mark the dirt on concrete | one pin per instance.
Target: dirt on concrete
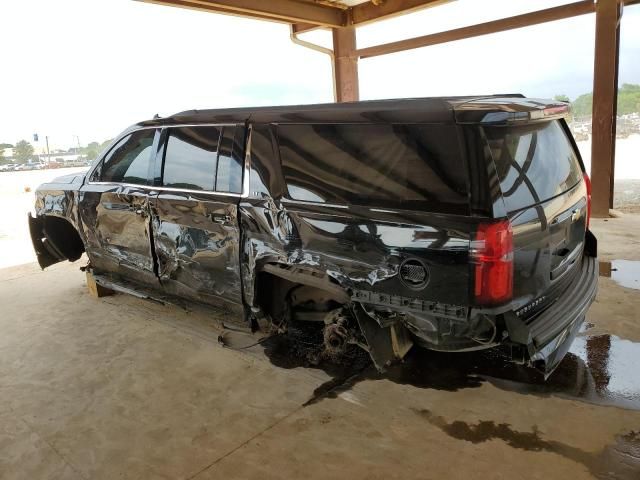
(121, 387)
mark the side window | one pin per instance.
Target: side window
(368, 164)
(229, 171)
(533, 162)
(129, 160)
(262, 161)
(190, 158)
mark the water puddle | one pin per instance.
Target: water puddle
(624, 272)
(599, 369)
(619, 460)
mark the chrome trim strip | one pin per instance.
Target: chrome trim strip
(179, 125)
(168, 189)
(319, 204)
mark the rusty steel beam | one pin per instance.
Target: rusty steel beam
(495, 26)
(304, 27)
(288, 11)
(345, 65)
(369, 12)
(605, 97)
(194, 5)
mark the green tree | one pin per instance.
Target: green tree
(91, 150)
(23, 151)
(628, 99)
(2, 159)
(582, 105)
(562, 98)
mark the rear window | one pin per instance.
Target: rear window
(381, 165)
(534, 162)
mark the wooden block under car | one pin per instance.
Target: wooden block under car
(96, 290)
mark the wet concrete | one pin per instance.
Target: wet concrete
(126, 388)
(620, 460)
(625, 273)
(598, 369)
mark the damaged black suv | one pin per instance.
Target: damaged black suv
(452, 223)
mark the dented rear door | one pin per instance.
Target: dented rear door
(195, 214)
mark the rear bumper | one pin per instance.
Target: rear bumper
(547, 337)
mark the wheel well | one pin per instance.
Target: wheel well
(271, 294)
(64, 236)
(282, 287)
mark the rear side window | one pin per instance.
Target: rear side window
(229, 168)
(129, 160)
(190, 158)
(534, 162)
(379, 165)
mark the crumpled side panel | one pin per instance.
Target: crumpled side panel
(58, 202)
(361, 249)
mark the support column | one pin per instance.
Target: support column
(345, 65)
(605, 98)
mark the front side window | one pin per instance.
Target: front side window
(129, 160)
(190, 158)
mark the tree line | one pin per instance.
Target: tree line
(628, 101)
(23, 151)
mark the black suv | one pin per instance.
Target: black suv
(453, 223)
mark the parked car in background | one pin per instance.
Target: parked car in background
(453, 224)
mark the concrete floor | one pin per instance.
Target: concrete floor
(120, 387)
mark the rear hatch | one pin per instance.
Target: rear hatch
(542, 185)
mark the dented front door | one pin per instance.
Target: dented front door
(196, 238)
(117, 228)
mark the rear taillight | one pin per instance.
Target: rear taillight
(492, 257)
(587, 182)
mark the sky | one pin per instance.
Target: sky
(86, 69)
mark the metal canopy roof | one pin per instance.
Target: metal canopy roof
(308, 14)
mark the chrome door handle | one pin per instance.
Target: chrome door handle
(220, 218)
